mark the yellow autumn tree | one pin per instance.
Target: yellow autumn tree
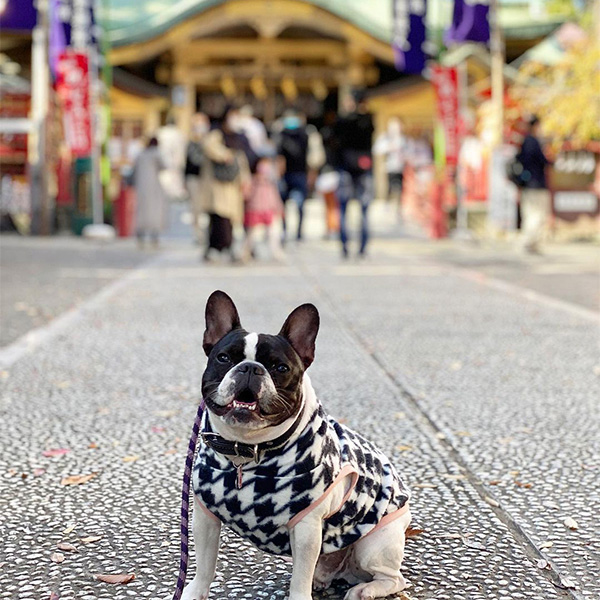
(566, 96)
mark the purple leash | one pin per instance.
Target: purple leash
(185, 503)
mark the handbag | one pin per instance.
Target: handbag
(226, 172)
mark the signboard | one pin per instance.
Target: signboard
(445, 83)
(408, 35)
(572, 201)
(73, 89)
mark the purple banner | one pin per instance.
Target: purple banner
(18, 15)
(469, 22)
(408, 35)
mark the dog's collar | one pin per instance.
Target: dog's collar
(253, 451)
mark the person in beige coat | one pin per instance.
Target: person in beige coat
(225, 176)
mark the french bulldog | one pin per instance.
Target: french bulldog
(276, 469)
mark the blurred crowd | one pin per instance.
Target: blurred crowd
(239, 175)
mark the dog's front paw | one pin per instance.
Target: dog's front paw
(195, 590)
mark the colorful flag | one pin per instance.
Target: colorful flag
(445, 83)
(470, 22)
(409, 35)
(17, 15)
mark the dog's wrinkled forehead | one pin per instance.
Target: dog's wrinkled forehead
(269, 350)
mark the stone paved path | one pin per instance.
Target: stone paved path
(487, 402)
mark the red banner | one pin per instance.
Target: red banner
(445, 82)
(73, 89)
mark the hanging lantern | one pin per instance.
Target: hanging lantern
(319, 89)
(289, 89)
(228, 86)
(258, 88)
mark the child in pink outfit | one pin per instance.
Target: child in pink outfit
(263, 207)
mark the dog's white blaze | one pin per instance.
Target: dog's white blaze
(250, 347)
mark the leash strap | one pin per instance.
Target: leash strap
(185, 503)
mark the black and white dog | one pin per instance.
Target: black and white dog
(276, 469)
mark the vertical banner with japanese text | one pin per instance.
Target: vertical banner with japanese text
(408, 36)
(470, 22)
(445, 83)
(73, 89)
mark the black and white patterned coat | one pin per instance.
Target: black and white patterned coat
(287, 483)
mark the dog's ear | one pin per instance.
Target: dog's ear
(300, 330)
(221, 318)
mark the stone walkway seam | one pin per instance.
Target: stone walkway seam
(523, 292)
(31, 340)
(433, 430)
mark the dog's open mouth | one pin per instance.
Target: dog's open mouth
(245, 405)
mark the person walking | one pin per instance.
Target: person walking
(392, 146)
(193, 171)
(263, 208)
(172, 145)
(353, 138)
(293, 150)
(535, 196)
(151, 200)
(225, 175)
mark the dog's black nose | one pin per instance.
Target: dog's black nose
(247, 367)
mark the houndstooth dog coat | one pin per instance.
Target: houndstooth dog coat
(292, 479)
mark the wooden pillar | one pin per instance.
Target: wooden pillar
(184, 99)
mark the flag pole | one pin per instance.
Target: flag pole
(497, 72)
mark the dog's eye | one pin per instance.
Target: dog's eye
(282, 368)
(223, 358)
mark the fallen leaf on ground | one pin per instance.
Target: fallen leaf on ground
(424, 485)
(77, 479)
(56, 452)
(93, 446)
(131, 458)
(522, 484)
(413, 532)
(400, 415)
(463, 433)
(491, 501)
(57, 557)
(68, 529)
(542, 564)
(38, 472)
(90, 539)
(571, 523)
(156, 429)
(514, 473)
(545, 545)
(568, 583)
(403, 448)
(495, 482)
(119, 578)
(66, 547)
(453, 476)
(474, 544)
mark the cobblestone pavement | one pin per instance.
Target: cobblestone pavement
(43, 277)
(485, 400)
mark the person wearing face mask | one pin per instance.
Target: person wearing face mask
(293, 150)
(193, 170)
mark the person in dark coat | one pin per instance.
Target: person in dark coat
(352, 142)
(535, 196)
(293, 148)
